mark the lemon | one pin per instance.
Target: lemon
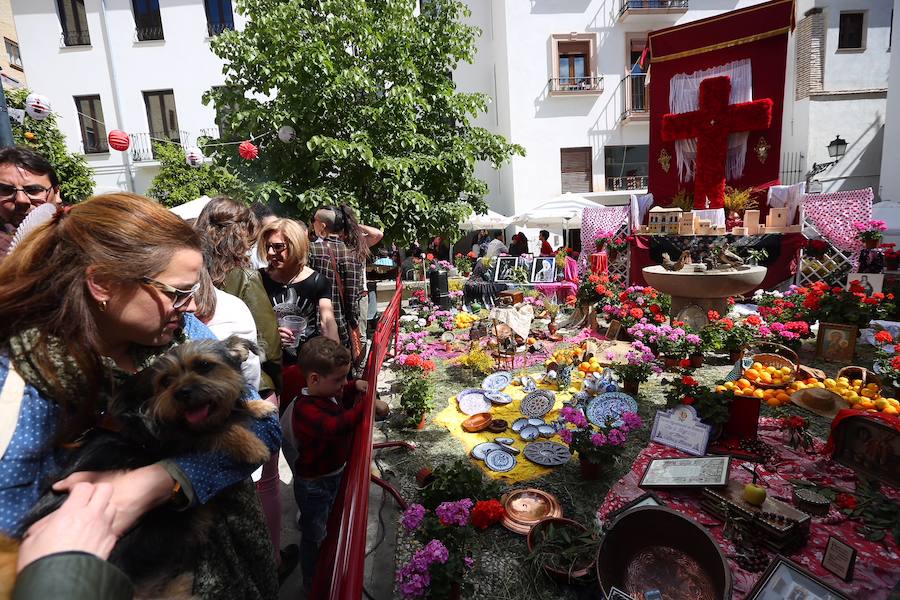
(830, 383)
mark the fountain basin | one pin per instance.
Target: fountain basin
(693, 294)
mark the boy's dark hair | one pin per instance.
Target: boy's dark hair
(323, 356)
(498, 234)
(30, 161)
(544, 234)
(261, 211)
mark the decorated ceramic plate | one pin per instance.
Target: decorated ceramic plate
(609, 406)
(537, 403)
(547, 430)
(505, 440)
(547, 454)
(498, 397)
(630, 402)
(472, 402)
(581, 398)
(510, 448)
(529, 384)
(500, 461)
(479, 451)
(496, 381)
(518, 424)
(537, 422)
(529, 433)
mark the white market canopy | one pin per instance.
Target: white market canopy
(563, 211)
(191, 210)
(491, 220)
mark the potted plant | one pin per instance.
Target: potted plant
(755, 255)
(639, 364)
(464, 263)
(816, 248)
(736, 336)
(737, 201)
(417, 399)
(566, 550)
(870, 232)
(676, 344)
(595, 445)
(552, 309)
(891, 257)
(712, 405)
(615, 246)
(601, 241)
(457, 480)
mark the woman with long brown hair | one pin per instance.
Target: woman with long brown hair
(86, 300)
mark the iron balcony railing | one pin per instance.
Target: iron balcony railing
(634, 95)
(142, 143)
(576, 84)
(76, 38)
(638, 5)
(628, 182)
(147, 33)
(214, 29)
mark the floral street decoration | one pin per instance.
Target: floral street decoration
(596, 288)
(464, 263)
(593, 443)
(670, 342)
(640, 363)
(712, 406)
(638, 304)
(816, 248)
(665, 160)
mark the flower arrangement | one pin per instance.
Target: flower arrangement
(519, 274)
(870, 230)
(417, 399)
(596, 288)
(415, 363)
(561, 256)
(816, 248)
(594, 443)
(445, 319)
(778, 307)
(799, 437)
(443, 265)
(638, 304)
(464, 262)
(851, 306)
(712, 406)
(478, 360)
(618, 243)
(677, 343)
(640, 363)
(887, 358)
(891, 256)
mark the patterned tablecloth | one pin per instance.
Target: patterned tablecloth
(877, 568)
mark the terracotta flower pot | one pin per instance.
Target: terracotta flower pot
(590, 471)
(421, 424)
(631, 387)
(670, 363)
(696, 361)
(735, 355)
(552, 327)
(424, 477)
(560, 575)
(871, 244)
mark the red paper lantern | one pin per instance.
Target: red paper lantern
(248, 151)
(118, 140)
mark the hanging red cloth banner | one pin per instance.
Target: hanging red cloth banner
(759, 34)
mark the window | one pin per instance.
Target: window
(12, 54)
(161, 115)
(74, 22)
(219, 16)
(147, 20)
(577, 170)
(93, 131)
(626, 167)
(573, 64)
(852, 32)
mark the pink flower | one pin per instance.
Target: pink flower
(598, 439)
(565, 435)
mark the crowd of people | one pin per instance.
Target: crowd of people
(99, 291)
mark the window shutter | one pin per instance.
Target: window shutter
(577, 171)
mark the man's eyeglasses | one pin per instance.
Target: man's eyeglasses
(179, 297)
(35, 193)
(276, 247)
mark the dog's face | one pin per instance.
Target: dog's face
(197, 385)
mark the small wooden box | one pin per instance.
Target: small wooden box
(739, 231)
(510, 297)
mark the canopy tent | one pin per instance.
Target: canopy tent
(564, 211)
(491, 220)
(191, 210)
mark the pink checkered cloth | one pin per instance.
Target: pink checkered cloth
(834, 214)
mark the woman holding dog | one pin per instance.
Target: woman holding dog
(86, 300)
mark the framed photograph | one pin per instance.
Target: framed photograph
(786, 580)
(836, 342)
(646, 499)
(503, 270)
(614, 329)
(707, 471)
(543, 269)
(839, 558)
(872, 283)
(868, 446)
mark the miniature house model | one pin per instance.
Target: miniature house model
(688, 223)
(664, 220)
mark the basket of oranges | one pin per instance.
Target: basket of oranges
(771, 370)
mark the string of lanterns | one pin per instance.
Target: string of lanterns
(38, 107)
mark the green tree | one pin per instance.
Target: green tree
(76, 180)
(366, 84)
(177, 182)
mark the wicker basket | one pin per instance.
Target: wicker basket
(771, 359)
(852, 372)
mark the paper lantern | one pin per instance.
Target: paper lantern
(286, 134)
(248, 151)
(193, 156)
(118, 140)
(37, 106)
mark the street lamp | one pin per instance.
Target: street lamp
(836, 150)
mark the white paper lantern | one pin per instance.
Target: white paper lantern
(193, 156)
(37, 106)
(286, 134)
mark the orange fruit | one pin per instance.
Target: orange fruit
(782, 397)
(751, 374)
(743, 383)
(772, 402)
(583, 367)
(890, 410)
(765, 377)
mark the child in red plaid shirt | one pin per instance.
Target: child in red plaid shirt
(325, 414)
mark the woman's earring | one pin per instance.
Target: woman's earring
(102, 305)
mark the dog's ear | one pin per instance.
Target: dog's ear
(238, 349)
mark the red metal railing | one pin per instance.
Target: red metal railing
(341, 565)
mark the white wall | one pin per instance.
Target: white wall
(890, 173)
(181, 62)
(858, 69)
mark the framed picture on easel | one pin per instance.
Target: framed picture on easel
(543, 269)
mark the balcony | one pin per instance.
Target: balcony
(633, 8)
(75, 38)
(635, 97)
(575, 86)
(147, 33)
(214, 29)
(142, 143)
(628, 182)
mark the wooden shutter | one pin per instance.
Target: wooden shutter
(577, 170)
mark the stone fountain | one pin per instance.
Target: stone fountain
(697, 289)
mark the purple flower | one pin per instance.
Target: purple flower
(454, 513)
(469, 561)
(413, 517)
(565, 435)
(437, 550)
(692, 339)
(598, 439)
(632, 421)
(616, 437)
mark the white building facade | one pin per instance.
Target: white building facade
(141, 66)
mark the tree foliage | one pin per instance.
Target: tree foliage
(76, 180)
(367, 86)
(177, 182)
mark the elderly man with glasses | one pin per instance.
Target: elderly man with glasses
(27, 180)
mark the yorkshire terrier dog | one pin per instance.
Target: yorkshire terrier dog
(188, 401)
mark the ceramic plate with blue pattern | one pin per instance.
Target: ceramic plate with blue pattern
(472, 402)
(609, 406)
(498, 397)
(537, 403)
(496, 382)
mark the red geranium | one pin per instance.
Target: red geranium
(846, 501)
(429, 256)
(428, 366)
(895, 362)
(413, 360)
(712, 315)
(487, 512)
(688, 400)
(688, 380)
(884, 337)
(685, 363)
(637, 313)
(796, 422)
(593, 278)
(754, 320)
